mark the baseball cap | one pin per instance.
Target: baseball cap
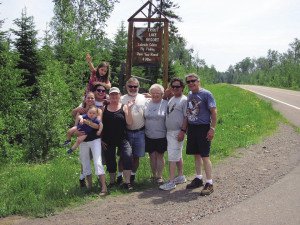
(114, 90)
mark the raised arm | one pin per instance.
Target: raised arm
(89, 61)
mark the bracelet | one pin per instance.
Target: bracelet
(213, 128)
(183, 130)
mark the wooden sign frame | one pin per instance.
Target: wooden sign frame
(164, 49)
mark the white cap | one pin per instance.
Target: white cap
(114, 90)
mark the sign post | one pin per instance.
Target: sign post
(148, 46)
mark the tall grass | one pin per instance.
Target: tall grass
(40, 189)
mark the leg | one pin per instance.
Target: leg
(84, 155)
(160, 163)
(79, 140)
(126, 155)
(153, 164)
(198, 164)
(179, 165)
(172, 168)
(111, 164)
(70, 132)
(89, 182)
(207, 167)
(97, 158)
(135, 164)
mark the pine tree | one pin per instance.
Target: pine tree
(26, 45)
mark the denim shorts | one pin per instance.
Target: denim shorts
(136, 140)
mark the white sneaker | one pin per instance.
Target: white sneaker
(167, 186)
(180, 179)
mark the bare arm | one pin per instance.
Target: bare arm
(89, 61)
(183, 130)
(211, 132)
(127, 111)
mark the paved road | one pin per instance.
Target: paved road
(287, 102)
(280, 203)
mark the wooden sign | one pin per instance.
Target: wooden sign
(147, 46)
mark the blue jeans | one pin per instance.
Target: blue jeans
(136, 140)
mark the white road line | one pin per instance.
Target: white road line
(276, 100)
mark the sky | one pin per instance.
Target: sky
(222, 32)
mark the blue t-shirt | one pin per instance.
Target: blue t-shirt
(198, 107)
(86, 128)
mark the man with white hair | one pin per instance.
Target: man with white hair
(136, 131)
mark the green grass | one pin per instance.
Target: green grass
(41, 189)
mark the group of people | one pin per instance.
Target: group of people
(114, 126)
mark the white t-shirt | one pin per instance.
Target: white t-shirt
(137, 110)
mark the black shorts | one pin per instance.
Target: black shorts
(156, 145)
(197, 143)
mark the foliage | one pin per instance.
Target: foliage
(13, 104)
(278, 70)
(48, 114)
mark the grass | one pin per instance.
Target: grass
(41, 189)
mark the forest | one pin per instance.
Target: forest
(42, 80)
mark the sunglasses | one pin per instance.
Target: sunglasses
(175, 86)
(100, 90)
(132, 86)
(191, 81)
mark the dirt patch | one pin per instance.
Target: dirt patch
(235, 179)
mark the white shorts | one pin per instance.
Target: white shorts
(85, 149)
(174, 146)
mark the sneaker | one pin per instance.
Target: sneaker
(132, 178)
(195, 184)
(127, 186)
(119, 180)
(82, 183)
(167, 186)
(66, 143)
(207, 190)
(180, 179)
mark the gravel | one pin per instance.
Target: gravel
(236, 178)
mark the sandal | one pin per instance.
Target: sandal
(159, 180)
(103, 193)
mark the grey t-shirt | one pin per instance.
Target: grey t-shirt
(176, 112)
(155, 116)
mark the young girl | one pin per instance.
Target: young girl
(99, 74)
(84, 125)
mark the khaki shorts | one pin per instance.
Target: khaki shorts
(174, 146)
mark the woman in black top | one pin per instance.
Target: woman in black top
(115, 117)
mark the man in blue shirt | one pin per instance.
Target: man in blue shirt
(202, 118)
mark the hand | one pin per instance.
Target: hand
(180, 136)
(147, 95)
(88, 58)
(81, 121)
(98, 133)
(168, 93)
(80, 133)
(130, 103)
(210, 134)
(70, 151)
